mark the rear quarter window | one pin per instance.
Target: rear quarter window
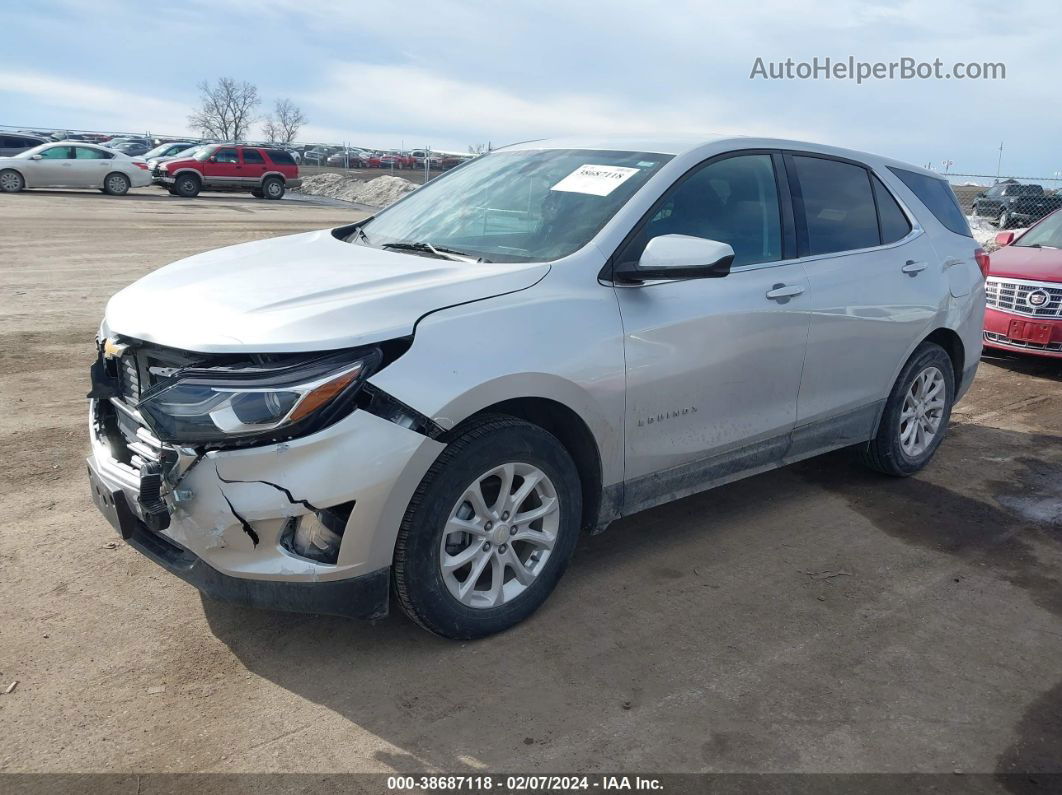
(938, 197)
(280, 157)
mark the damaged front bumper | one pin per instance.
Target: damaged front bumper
(225, 520)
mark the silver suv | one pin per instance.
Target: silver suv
(432, 404)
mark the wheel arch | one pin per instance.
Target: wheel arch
(25, 182)
(952, 344)
(571, 431)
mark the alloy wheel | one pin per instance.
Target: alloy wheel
(922, 411)
(499, 535)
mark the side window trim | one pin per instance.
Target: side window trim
(784, 206)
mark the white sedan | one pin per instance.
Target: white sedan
(73, 164)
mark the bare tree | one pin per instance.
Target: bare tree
(289, 118)
(227, 109)
(271, 130)
(282, 126)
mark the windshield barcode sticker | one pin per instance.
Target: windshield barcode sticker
(595, 180)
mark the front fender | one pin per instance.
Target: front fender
(559, 340)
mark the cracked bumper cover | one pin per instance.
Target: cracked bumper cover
(362, 458)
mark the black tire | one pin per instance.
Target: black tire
(273, 188)
(172, 191)
(416, 576)
(116, 184)
(257, 193)
(187, 186)
(11, 181)
(1004, 219)
(884, 452)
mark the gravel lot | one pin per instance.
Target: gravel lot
(817, 618)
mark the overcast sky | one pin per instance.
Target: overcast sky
(450, 74)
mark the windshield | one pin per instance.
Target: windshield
(28, 153)
(205, 152)
(1046, 234)
(521, 206)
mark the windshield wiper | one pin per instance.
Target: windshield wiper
(439, 251)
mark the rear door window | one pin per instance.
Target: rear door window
(838, 203)
(88, 153)
(252, 156)
(938, 197)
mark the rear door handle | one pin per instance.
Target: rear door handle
(783, 291)
(913, 267)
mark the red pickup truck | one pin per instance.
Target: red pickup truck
(265, 172)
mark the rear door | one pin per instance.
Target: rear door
(713, 365)
(254, 166)
(223, 168)
(91, 165)
(875, 284)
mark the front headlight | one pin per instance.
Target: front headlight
(219, 404)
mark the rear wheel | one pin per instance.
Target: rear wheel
(187, 185)
(116, 184)
(916, 414)
(273, 188)
(489, 530)
(1004, 219)
(11, 181)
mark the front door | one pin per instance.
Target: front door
(713, 365)
(54, 169)
(223, 168)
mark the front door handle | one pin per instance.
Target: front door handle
(781, 292)
(913, 267)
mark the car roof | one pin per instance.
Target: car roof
(688, 144)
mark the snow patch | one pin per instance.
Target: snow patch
(377, 192)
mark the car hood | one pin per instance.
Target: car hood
(1025, 262)
(304, 292)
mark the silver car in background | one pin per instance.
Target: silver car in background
(433, 403)
(73, 164)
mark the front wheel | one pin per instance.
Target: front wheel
(489, 531)
(1004, 219)
(916, 414)
(11, 181)
(187, 185)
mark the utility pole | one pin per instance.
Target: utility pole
(999, 161)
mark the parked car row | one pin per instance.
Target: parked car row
(1012, 204)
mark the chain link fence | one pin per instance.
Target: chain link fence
(993, 204)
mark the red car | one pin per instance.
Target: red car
(265, 172)
(1023, 290)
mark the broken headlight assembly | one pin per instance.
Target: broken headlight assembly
(255, 402)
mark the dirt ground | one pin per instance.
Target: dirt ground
(817, 618)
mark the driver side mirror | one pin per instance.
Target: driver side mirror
(36, 157)
(679, 257)
(1004, 239)
(213, 158)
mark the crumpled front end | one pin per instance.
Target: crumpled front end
(305, 524)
